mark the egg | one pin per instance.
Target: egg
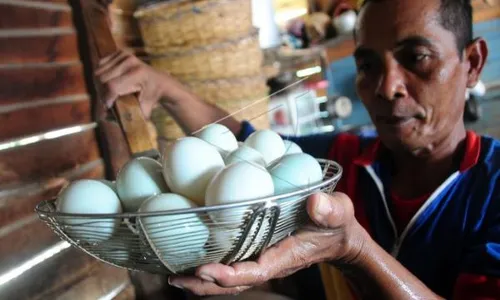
(294, 172)
(246, 154)
(178, 239)
(268, 143)
(291, 147)
(224, 239)
(237, 182)
(89, 196)
(118, 250)
(111, 184)
(139, 179)
(220, 137)
(189, 165)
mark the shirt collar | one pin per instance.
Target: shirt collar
(470, 159)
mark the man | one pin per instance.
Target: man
(418, 215)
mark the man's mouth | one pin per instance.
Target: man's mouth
(393, 120)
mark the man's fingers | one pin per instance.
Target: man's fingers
(330, 211)
(113, 60)
(278, 261)
(240, 274)
(201, 287)
(127, 63)
(106, 59)
(122, 86)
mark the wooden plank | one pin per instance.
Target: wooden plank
(24, 239)
(23, 15)
(44, 118)
(106, 282)
(127, 107)
(49, 48)
(19, 202)
(47, 158)
(52, 274)
(128, 294)
(40, 81)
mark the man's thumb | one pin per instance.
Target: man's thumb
(329, 211)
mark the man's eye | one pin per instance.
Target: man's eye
(419, 57)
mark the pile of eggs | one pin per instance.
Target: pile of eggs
(207, 169)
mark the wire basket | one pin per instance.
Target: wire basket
(178, 241)
(235, 58)
(193, 23)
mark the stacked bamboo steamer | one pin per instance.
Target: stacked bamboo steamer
(212, 47)
(124, 26)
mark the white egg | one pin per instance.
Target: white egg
(294, 172)
(88, 196)
(291, 147)
(118, 250)
(178, 239)
(237, 182)
(139, 179)
(111, 184)
(246, 154)
(220, 137)
(268, 143)
(189, 165)
(224, 240)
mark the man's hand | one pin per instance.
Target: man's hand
(123, 73)
(334, 236)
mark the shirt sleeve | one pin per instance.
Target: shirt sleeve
(480, 272)
(316, 145)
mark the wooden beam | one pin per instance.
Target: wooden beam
(40, 81)
(34, 16)
(48, 48)
(47, 158)
(36, 119)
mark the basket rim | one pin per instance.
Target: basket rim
(142, 11)
(202, 209)
(252, 35)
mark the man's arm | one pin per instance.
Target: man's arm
(336, 237)
(123, 73)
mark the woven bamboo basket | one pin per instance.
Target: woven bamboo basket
(193, 23)
(253, 110)
(227, 90)
(236, 58)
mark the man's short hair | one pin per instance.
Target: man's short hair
(456, 16)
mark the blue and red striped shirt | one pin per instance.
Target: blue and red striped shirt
(449, 239)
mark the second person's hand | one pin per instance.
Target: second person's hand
(122, 73)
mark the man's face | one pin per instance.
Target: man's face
(410, 76)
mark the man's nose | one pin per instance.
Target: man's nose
(391, 85)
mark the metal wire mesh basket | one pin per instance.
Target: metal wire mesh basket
(178, 241)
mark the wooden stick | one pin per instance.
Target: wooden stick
(127, 107)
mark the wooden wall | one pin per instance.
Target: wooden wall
(42, 89)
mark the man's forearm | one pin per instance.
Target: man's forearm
(192, 113)
(377, 275)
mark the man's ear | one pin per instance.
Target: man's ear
(476, 54)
